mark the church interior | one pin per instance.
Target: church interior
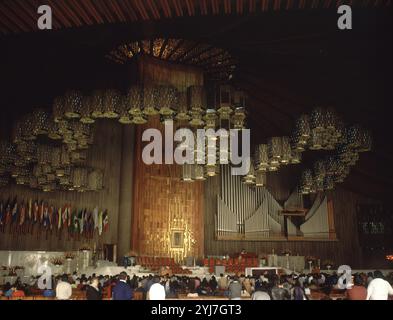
(92, 109)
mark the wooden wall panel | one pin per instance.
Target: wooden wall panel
(104, 154)
(344, 251)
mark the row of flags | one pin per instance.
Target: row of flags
(26, 216)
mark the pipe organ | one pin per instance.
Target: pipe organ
(246, 212)
(249, 213)
(317, 220)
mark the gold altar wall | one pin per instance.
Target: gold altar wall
(163, 205)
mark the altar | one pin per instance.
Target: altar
(294, 263)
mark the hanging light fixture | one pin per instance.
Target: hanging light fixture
(286, 151)
(17, 132)
(302, 133)
(79, 178)
(33, 182)
(58, 108)
(296, 157)
(365, 143)
(111, 101)
(199, 173)
(72, 105)
(260, 179)
(224, 105)
(239, 107)
(65, 157)
(167, 101)
(319, 170)
(87, 109)
(80, 130)
(210, 119)
(4, 181)
(306, 181)
(53, 130)
(78, 157)
(150, 99)
(135, 105)
(274, 151)
(197, 98)
(187, 173)
(212, 170)
(317, 119)
(56, 157)
(97, 104)
(95, 180)
(49, 187)
(316, 141)
(124, 116)
(238, 118)
(43, 154)
(182, 114)
(250, 177)
(328, 183)
(262, 157)
(63, 172)
(40, 122)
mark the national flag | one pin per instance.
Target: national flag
(14, 212)
(75, 222)
(45, 216)
(2, 212)
(29, 216)
(59, 217)
(95, 218)
(81, 220)
(89, 224)
(22, 214)
(105, 221)
(41, 213)
(100, 216)
(65, 216)
(8, 210)
(36, 210)
(69, 210)
(51, 217)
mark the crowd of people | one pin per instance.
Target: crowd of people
(267, 286)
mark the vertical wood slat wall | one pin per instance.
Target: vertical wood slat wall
(104, 154)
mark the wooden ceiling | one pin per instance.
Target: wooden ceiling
(21, 15)
(291, 58)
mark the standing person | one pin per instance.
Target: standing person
(213, 284)
(298, 292)
(222, 282)
(122, 291)
(63, 289)
(93, 291)
(247, 285)
(157, 290)
(235, 289)
(279, 292)
(379, 289)
(261, 293)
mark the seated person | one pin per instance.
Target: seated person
(358, 290)
(49, 293)
(17, 292)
